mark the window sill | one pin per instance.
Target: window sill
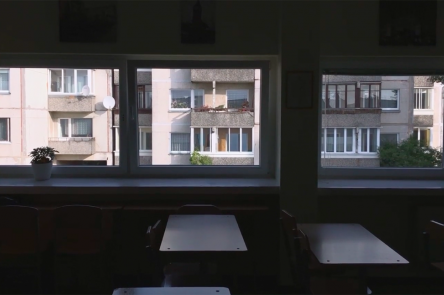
(13, 186)
(374, 187)
(5, 93)
(5, 142)
(391, 111)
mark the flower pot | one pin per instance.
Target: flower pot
(42, 171)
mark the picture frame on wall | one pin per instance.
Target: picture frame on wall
(197, 22)
(299, 87)
(84, 21)
(404, 23)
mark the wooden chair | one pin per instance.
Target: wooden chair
(434, 238)
(198, 209)
(19, 240)
(78, 235)
(173, 274)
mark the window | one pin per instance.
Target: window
(69, 80)
(338, 140)
(4, 129)
(390, 99)
(339, 96)
(423, 98)
(145, 139)
(144, 97)
(4, 80)
(76, 127)
(214, 140)
(180, 142)
(370, 95)
(423, 135)
(389, 137)
(236, 99)
(185, 99)
(369, 140)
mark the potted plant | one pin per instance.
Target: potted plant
(41, 162)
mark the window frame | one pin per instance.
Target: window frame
(8, 130)
(327, 98)
(431, 98)
(335, 153)
(191, 99)
(243, 90)
(171, 152)
(377, 66)
(8, 91)
(397, 100)
(381, 133)
(90, 81)
(70, 128)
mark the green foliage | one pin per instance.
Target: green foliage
(41, 155)
(198, 159)
(436, 79)
(408, 153)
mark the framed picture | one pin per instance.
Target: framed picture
(403, 23)
(299, 90)
(84, 21)
(197, 21)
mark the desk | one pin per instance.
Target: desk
(173, 291)
(202, 233)
(350, 244)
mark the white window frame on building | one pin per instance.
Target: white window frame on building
(60, 133)
(184, 135)
(7, 122)
(335, 140)
(143, 131)
(383, 93)
(380, 66)
(5, 90)
(192, 98)
(235, 92)
(418, 104)
(365, 147)
(62, 88)
(214, 135)
(419, 129)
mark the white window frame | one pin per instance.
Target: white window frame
(242, 90)
(145, 152)
(431, 98)
(78, 91)
(8, 130)
(69, 128)
(360, 149)
(380, 66)
(8, 91)
(128, 124)
(191, 99)
(345, 152)
(424, 128)
(397, 100)
(178, 152)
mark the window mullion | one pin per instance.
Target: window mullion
(63, 81)
(368, 140)
(229, 140)
(240, 139)
(75, 82)
(334, 140)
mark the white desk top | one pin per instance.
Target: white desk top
(341, 243)
(173, 291)
(202, 233)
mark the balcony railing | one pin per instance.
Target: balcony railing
(73, 145)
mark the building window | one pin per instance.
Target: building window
(4, 129)
(213, 140)
(423, 135)
(76, 127)
(180, 142)
(390, 99)
(370, 94)
(368, 140)
(338, 140)
(144, 97)
(423, 98)
(4, 79)
(339, 96)
(389, 138)
(236, 99)
(145, 139)
(187, 98)
(69, 80)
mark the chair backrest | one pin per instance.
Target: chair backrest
(78, 229)
(434, 242)
(19, 230)
(198, 209)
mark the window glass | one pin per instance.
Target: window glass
(247, 140)
(234, 139)
(82, 79)
(68, 78)
(198, 98)
(330, 139)
(341, 95)
(389, 98)
(4, 129)
(423, 97)
(180, 99)
(64, 127)
(81, 127)
(4, 80)
(332, 96)
(349, 139)
(180, 142)
(389, 137)
(223, 139)
(56, 80)
(236, 98)
(339, 140)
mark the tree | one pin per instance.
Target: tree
(198, 159)
(436, 79)
(408, 153)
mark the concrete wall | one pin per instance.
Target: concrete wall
(222, 75)
(233, 161)
(351, 120)
(221, 119)
(349, 162)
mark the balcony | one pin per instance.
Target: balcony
(210, 117)
(71, 103)
(351, 117)
(222, 75)
(73, 145)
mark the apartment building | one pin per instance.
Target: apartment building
(361, 112)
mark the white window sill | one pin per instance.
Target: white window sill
(12, 186)
(377, 186)
(3, 92)
(5, 142)
(179, 110)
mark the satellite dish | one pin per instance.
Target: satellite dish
(109, 102)
(85, 90)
